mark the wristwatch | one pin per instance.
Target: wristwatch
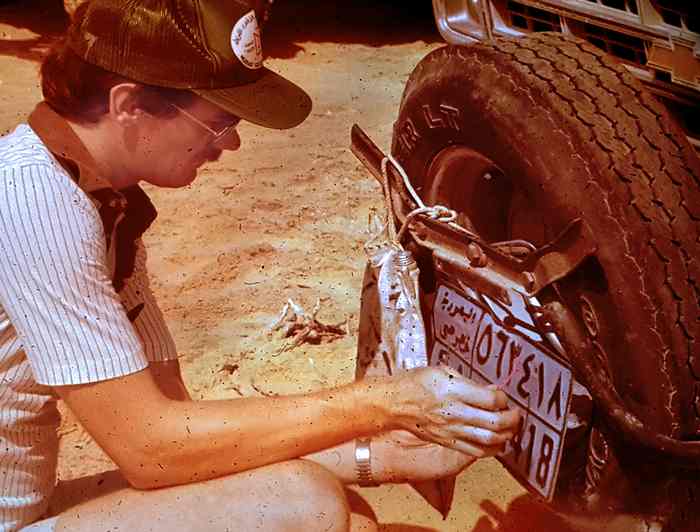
(363, 462)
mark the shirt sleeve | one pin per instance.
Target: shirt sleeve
(55, 284)
(146, 316)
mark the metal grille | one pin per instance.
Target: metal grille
(673, 16)
(630, 6)
(618, 44)
(532, 19)
(662, 75)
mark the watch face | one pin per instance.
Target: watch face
(362, 454)
(363, 463)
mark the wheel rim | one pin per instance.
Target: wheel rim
(484, 197)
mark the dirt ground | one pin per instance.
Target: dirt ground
(284, 217)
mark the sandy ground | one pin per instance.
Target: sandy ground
(284, 217)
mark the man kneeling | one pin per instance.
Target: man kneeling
(150, 91)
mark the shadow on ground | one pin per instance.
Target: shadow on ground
(45, 18)
(371, 22)
(70, 493)
(524, 514)
(291, 24)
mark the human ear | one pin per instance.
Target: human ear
(123, 103)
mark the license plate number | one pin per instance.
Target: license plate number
(474, 341)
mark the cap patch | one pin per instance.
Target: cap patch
(245, 41)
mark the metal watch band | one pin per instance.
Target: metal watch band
(363, 462)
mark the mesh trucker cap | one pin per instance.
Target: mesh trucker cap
(212, 47)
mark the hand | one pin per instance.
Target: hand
(403, 457)
(437, 404)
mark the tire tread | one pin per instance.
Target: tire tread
(649, 163)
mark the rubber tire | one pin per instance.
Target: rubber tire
(574, 131)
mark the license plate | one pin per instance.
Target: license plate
(470, 335)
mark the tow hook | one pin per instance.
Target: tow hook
(589, 369)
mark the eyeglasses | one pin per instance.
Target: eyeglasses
(215, 133)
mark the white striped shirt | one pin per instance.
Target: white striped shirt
(61, 320)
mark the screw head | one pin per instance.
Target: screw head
(530, 281)
(476, 256)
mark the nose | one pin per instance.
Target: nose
(231, 141)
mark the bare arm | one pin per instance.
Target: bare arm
(339, 459)
(396, 456)
(158, 441)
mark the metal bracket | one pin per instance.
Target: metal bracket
(539, 269)
(561, 256)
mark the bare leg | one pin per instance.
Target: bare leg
(290, 496)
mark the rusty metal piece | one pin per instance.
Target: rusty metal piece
(561, 256)
(366, 151)
(482, 279)
(673, 453)
(541, 268)
(444, 241)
